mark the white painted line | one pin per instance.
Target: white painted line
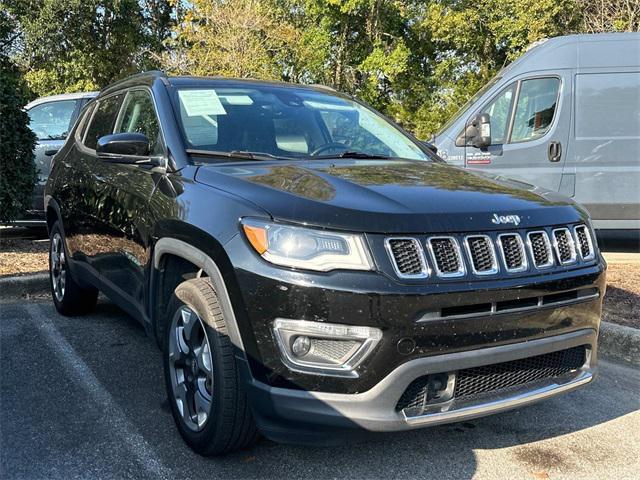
(84, 376)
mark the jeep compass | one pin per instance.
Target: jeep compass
(312, 272)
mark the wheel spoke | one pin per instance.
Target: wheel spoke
(204, 359)
(202, 407)
(189, 322)
(180, 392)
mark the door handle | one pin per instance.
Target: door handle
(555, 151)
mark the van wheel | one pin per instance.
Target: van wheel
(68, 297)
(208, 401)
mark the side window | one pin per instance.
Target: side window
(535, 109)
(138, 115)
(103, 120)
(499, 110)
(83, 121)
(52, 120)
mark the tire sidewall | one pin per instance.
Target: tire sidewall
(56, 229)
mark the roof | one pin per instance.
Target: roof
(63, 96)
(597, 50)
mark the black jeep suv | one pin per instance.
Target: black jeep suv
(310, 270)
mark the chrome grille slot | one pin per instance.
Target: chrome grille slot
(564, 246)
(445, 253)
(512, 250)
(584, 243)
(540, 248)
(407, 257)
(482, 254)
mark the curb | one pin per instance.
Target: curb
(619, 342)
(12, 287)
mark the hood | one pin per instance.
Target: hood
(388, 196)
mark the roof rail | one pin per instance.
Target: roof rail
(148, 73)
(324, 87)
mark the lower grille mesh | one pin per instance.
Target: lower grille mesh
(476, 381)
(491, 378)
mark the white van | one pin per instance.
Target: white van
(565, 116)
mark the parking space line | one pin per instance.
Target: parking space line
(85, 377)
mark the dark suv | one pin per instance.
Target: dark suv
(310, 270)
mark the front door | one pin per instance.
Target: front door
(125, 190)
(530, 121)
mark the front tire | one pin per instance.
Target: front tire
(68, 297)
(208, 401)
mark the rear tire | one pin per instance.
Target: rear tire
(68, 297)
(208, 401)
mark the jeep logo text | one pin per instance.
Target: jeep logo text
(505, 219)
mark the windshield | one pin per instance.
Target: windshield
(287, 122)
(468, 104)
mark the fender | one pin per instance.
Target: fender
(200, 259)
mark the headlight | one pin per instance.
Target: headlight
(307, 248)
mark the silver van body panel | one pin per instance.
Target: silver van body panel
(596, 122)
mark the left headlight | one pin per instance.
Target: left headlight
(307, 248)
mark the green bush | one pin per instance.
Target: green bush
(17, 168)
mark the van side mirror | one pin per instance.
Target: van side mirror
(478, 131)
(133, 144)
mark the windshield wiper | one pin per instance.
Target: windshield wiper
(237, 154)
(356, 155)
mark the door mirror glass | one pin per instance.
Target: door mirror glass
(478, 131)
(119, 144)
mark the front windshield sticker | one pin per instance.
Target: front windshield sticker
(198, 103)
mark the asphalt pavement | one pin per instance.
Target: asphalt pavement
(84, 397)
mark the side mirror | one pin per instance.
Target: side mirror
(431, 147)
(478, 131)
(132, 144)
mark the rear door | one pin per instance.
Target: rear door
(530, 122)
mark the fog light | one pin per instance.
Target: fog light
(301, 346)
(324, 348)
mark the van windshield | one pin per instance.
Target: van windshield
(287, 122)
(468, 104)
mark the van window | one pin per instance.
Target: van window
(535, 109)
(103, 120)
(138, 115)
(607, 105)
(499, 110)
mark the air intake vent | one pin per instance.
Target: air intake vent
(513, 254)
(482, 254)
(565, 248)
(540, 248)
(585, 246)
(446, 256)
(407, 257)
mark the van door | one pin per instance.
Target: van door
(530, 122)
(606, 153)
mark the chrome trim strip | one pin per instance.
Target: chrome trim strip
(572, 245)
(494, 259)
(547, 244)
(425, 271)
(524, 398)
(461, 272)
(525, 264)
(592, 251)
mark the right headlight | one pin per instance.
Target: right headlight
(307, 248)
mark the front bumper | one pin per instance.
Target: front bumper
(289, 415)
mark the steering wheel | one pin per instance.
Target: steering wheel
(329, 146)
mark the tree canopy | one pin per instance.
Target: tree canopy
(416, 60)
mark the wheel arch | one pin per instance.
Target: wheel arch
(216, 270)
